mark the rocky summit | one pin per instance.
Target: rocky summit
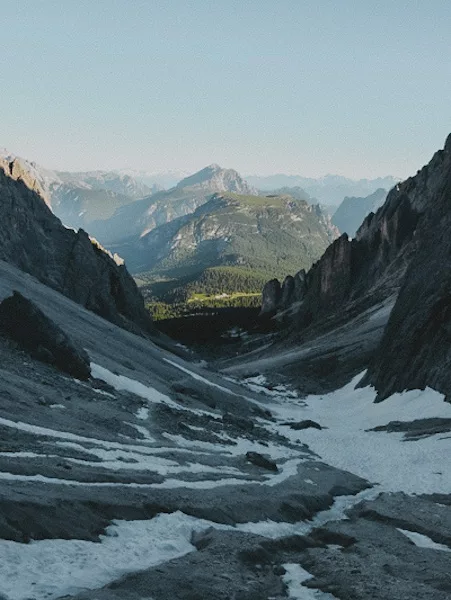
(140, 217)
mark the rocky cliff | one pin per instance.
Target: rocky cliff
(35, 178)
(370, 267)
(33, 239)
(415, 351)
(402, 251)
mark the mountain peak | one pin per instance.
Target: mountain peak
(217, 179)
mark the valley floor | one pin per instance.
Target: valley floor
(150, 481)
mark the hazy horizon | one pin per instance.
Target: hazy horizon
(308, 89)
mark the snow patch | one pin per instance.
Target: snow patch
(294, 577)
(273, 529)
(48, 569)
(200, 378)
(121, 382)
(142, 413)
(423, 541)
(379, 457)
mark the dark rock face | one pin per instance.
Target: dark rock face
(280, 297)
(271, 297)
(26, 324)
(402, 253)
(307, 424)
(287, 291)
(415, 351)
(300, 285)
(329, 280)
(369, 268)
(34, 240)
(259, 460)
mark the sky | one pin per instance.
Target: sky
(356, 88)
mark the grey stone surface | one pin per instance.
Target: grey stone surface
(23, 322)
(415, 351)
(34, 240)
(367, 558)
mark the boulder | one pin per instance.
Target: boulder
(307, 424)
(259, 460)
(23, 322)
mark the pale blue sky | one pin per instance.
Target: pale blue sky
(359, 88)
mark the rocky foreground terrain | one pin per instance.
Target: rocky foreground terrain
(158, 478)
(152, 475)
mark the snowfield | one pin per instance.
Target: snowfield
(384, 459)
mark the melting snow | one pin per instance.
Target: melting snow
(142, 413)
(294, 577)
(52, 568)
(49, 569)
(380, 457)
(200, 378)
(121, 382)
(422, 541)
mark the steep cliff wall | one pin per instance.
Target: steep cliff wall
(402, 251)
(34, 240)
(370, 267)
(415, 351)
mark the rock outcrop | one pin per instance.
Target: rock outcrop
(276, 297)
(33, 239)
(271, 295)
(23, 322)
(20, 169)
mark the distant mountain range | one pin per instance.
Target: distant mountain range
(350, 214)
(111, 181)
(330, 189)
(162, 179)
